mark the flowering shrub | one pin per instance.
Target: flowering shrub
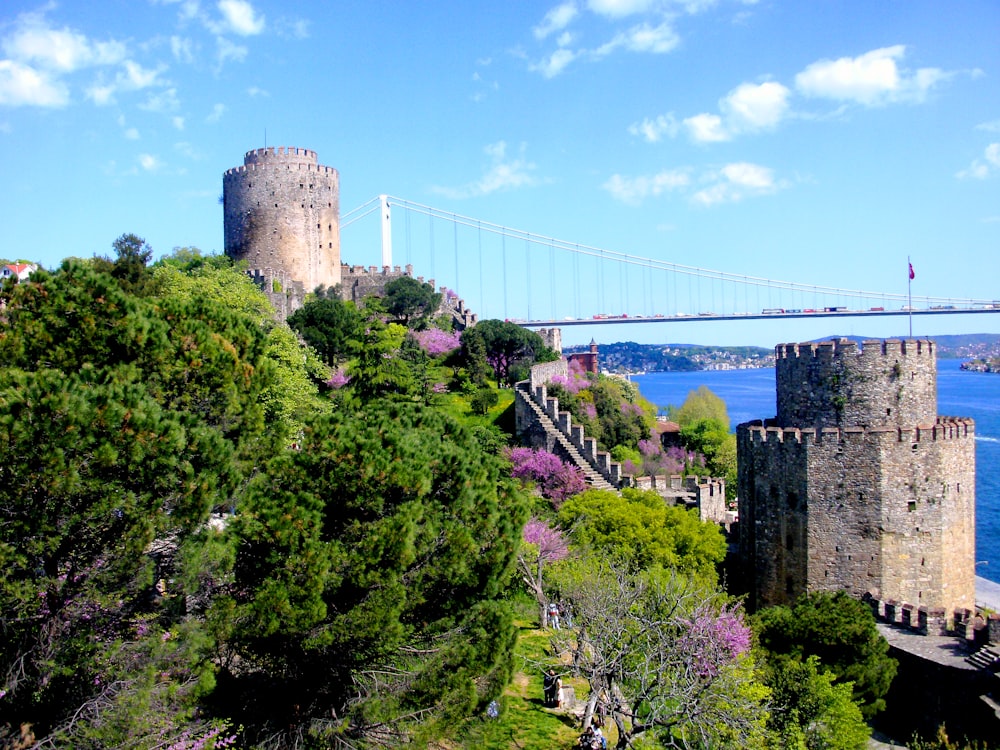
(338, 380)
(436, 342)
(551, 543)
(573, 384)
(713, 639)
(554, 478)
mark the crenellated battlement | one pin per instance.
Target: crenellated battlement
(841, 383)
(270, 166)
(944, 428)
(347, 271)
(273, 154)
(835, 349)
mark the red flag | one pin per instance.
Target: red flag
(911, 272)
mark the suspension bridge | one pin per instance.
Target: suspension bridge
(539, 281)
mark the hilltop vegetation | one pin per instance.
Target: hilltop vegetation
(218, 530)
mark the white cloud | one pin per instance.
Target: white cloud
(255, 91)
(239, 17)
(731, 183)
(871, 79)
(132, 134)
(654, 130)
(149, 162)
(737, 181)
(707, 128)
(982, 168)
(555, 63)
(162, 101)
(22, 85)
(60, 50)
(619, 8)
(177, 122)
(182, 48)
(556, 19)
(751, 107)
(138, 77)
(642, 38)
(296, 28)
(992, 154)
(748, 108)
(503, 174)
(634, 189)
(40, 56)
(217, 112)
(989, 127)
(227, 50)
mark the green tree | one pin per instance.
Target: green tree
(809, 710)
(291, 391)
(641, 528)
(411, 302)
(328, 325)
(379, 368)
(371, 571)
(711, 438)
(668, 656)
(483, 400)
(92, 474)
(507, 346)
(700, 404)
(131, 265)
(841, 632)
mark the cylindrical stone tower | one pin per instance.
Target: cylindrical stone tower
(282, 215)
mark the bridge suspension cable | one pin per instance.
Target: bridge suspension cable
(578, 250)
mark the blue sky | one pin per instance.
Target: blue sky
(821, 142)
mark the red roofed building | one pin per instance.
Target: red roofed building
(19, 271)
(586, 360)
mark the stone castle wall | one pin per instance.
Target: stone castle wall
(282, 212)
(867, 507)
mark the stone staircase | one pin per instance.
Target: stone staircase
(985, 658)
(565, 447)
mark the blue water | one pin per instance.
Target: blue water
(749, 394)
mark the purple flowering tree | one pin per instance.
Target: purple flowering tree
(554, 478)
(436, 342)
(663, 654)
(543, 544)
(674, 460)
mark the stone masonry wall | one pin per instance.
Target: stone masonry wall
(837, 383)
(872, 508)
(282, 211)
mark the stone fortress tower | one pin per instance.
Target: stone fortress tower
(857, 484)
(282, 215)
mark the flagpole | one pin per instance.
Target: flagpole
(909, 293)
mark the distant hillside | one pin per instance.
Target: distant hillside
(631, 357)
(959, 346)
(628, 356)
